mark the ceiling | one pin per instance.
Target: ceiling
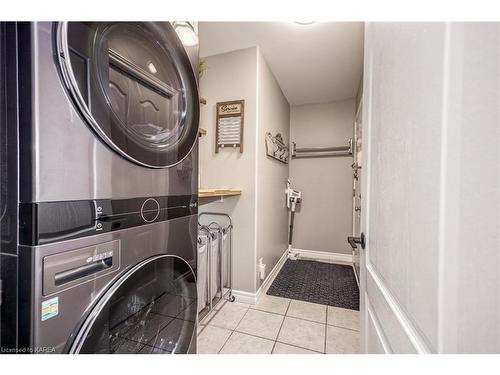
(313, 63)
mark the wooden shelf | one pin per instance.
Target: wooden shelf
(218, 193)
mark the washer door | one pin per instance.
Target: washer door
(150, 309)
(134, 84)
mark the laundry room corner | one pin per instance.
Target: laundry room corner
(260, 180)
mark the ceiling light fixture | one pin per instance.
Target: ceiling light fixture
(152, 68)
(304, 23)
(186, 33)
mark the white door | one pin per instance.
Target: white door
(430, 280)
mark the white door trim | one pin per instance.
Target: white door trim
(416, 340)
(378, 329)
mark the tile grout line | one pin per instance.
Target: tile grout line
(225, 342)
(215, 311)
(326, 330)
(249, 334)
(335, 325)
(310, 321)
(299, 347)
(275, 341)
(291, 316)
(213, 317)
(281, 326)
(206, 325)
(233, 330)
(307, 320)
(259, 337)
(349, 329)
(270, 312)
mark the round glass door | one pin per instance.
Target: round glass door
(134, 84)
(151, 309)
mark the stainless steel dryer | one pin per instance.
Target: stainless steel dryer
(107, 110)
(108, 123)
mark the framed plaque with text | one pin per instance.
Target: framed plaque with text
(229, 124)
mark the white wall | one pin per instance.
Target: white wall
(470, 229)
(259, 214)
(232, 76)
(325, 217)
(272, 214)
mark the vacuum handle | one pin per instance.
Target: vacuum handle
(353, 241)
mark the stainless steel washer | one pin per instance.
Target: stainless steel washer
(128, 291)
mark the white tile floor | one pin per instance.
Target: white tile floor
(279, 326)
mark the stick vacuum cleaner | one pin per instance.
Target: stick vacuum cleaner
(293, 198)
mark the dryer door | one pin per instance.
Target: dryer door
(150, 309)
(135, 86)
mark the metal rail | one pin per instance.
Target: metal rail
(210, 238)
(208, 229)
(315, 152)
(324, 155)
(322, 149)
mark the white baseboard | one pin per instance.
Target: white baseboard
(270, 278)
(323, 255)
(245, 297)
(251, 298)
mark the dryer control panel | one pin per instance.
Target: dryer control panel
(47, 222)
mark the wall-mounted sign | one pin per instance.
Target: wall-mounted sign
(230, 108)
(229, 124)
(276, 147)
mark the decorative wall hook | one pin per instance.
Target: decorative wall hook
(276, 147)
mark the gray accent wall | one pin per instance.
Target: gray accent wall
(272, 175)
(232, 76)
(325, 217)
(259, 214)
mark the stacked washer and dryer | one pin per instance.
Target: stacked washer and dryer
(108, 128)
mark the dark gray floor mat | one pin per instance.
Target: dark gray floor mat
(317, 282)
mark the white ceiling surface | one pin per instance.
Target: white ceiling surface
(314, 63)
